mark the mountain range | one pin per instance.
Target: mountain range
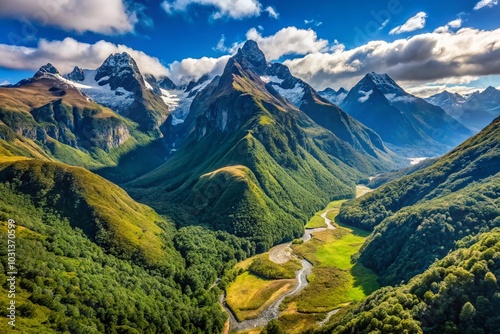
(271, 162)
(474, 111)
(410, 125)
(135, 197)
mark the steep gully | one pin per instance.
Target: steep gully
(280, 254)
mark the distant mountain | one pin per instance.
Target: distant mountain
(253, 164)
(335, 97)
(178, 98)
(475, 111)
(410, 125)
(280, 82)
(119, 85)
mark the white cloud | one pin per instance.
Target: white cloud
(364, 95)
(429, 90)
(414, 23)
(422, 58)
(290, 40)
(221, 44)
(4, 82)
(272, 12)
(455, 23)
(485, 3)
(66, 54)
(106, 17)
(236, 9)
(186, 70)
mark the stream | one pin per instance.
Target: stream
(272, 311)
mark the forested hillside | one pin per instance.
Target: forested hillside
(92, 260)
(421, 217)
(459, 294)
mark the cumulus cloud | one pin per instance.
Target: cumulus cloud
(485, 3)
(186, 70)
(236, 9)
(290, 40)
(422, 58)
(66, 54)
(455, 24)
(105, 17)
(414, 23)
(272, 12)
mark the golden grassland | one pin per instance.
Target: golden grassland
(249, 295)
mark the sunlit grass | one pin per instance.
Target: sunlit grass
(249, 295)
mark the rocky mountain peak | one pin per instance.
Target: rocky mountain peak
(120, 70)
(76, 74)
(251, 57)
(46, 69)
(383, 82)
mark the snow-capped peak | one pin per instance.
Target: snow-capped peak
(46, 69)
(385, 83)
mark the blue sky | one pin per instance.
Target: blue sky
(425, 45)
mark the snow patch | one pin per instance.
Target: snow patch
(365, 95)
(71, 83)
(179, 101)
(117, 100)
(294, 95)
(414, 161)
(148, 86)
(273, 79)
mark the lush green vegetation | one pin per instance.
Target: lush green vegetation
(263, 267)
(249, 295)
(335, 280)
(384, 178)
(474, 160)
(91, 260)
(423, 216)
(459, 294)
(259, 283)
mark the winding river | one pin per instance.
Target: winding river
(280, 254)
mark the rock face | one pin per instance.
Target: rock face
(75, 127)
(76, 75)
(46, 69)
(120, 70)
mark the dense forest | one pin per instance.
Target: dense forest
(421, 217)
(78, 279)
(459, 294)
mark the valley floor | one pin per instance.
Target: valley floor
(332, 282)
